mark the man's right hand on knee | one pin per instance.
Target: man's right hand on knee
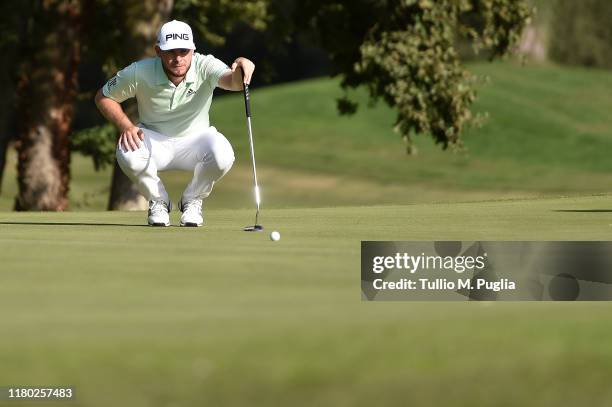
(130, 138)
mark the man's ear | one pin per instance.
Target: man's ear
(158, 50)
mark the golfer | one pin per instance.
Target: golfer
(173, 91)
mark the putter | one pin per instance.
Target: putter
(247, 105)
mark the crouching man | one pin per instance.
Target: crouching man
(174, 92)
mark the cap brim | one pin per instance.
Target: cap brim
(177, 45)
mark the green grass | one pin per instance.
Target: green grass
(138, 316)
(549, 130)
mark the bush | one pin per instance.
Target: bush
(98, 142)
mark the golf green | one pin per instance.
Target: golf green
(137, 316)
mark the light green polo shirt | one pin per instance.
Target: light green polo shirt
(174, 111)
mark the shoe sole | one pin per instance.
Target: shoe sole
(159, 224)
(191, 224)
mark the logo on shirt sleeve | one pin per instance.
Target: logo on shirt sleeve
(112, 82)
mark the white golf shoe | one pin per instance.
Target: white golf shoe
(159, 213)
(192, 213)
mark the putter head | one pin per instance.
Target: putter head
(254, 228)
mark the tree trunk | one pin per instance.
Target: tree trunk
(124, 195)
(4, 139)
(141, 21)
(7, 117)
(45, 96)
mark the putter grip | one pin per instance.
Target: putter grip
(247, 100)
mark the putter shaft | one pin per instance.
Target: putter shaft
(247, 105)
(257, 197)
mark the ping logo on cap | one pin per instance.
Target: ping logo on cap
(175, 36)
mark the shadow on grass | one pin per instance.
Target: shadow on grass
(584, 210)
(71, 224)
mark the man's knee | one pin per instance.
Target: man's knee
(223, 154)
(132, 162)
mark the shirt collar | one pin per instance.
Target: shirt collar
(162, 79)
(191, 73)
(160, 75)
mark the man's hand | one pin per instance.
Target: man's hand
(130, 138)
(130, 135)
(247, 66)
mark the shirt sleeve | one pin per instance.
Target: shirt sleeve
(122, 86)
(213, 69)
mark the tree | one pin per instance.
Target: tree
(404, 52)
(46, 88)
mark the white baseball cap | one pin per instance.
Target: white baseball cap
(175, 34)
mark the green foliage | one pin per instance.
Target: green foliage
(403, 51)
(581, 33)
(213, 19)
(117, 32)
(98, 142)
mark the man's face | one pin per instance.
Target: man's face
(176, 61)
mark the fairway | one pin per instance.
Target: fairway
(138, 316)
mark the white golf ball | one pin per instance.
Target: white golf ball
(275, 236)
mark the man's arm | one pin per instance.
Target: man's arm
(233, 79)
(130, 135)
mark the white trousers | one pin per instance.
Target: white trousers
(209, 155)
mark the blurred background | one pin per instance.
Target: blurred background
(545, 112)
